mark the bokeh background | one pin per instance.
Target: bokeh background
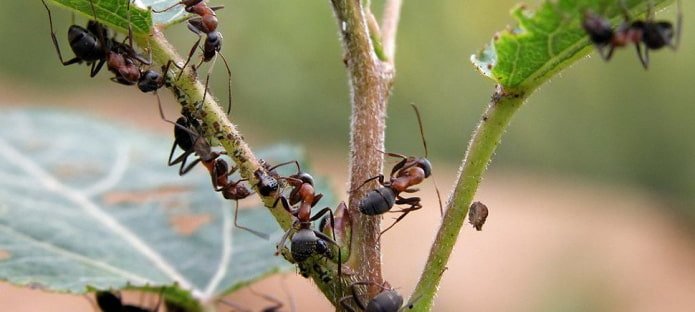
(592, 192)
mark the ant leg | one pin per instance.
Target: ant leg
(356, 297)
(328, 239)
(207, 77)
(96, 67)
(317, 197)
(346, 306)
(254, 232)
(215, 8)
(277, 303)
(167, 8)
(284, 164)
(644, 58)
(414, 205)
(183, 170)
(197, 31)
(55, 41)
(379, 177)
(679, 24)
(398, 166)
(229, 83)
(283, 240)
(284, 202)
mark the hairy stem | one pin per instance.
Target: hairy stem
(370, 85)
(482, 146)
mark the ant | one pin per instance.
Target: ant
(205, 23)
(232, 190)
(305, 242)
(408, 172)
(93, 46)
(388, 300)
(109, 302)
(88, 44)
(186, 138)
(653, 34)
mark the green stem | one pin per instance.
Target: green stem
(216, 126)
(482, 146)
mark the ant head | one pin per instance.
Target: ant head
(425, 165)
(305, 244)
(213, 41)
(150, 81)
(304, 177)
(221, 167)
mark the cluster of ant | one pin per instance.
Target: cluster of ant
(95, 47)
(647, 34)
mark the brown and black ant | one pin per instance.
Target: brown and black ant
(388, 300)
(408, 172)
(204, 23)
(305, 242)
(110, 302)
(232, 190)
(650, 32)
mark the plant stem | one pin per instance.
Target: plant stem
(370, 85)
(485, 140)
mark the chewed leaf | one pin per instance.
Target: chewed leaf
(547, 40)
(84, 203)
(115, 14)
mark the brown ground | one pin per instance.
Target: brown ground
(549, 245)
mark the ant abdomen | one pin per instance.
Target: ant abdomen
(378, 201)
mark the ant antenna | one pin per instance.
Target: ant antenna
(424, 143)
(679, 24)
(229, 83)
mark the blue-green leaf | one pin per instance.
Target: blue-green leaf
(85, 203)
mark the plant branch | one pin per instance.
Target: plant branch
(389, 28)
(370, 85)
(485, 140)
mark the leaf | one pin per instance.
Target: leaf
(84, 203)
(546, 41)
(172, 16)
(113, 13)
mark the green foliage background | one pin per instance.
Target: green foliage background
(604, 121)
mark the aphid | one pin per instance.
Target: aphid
(651, 33)
(408, 172)
(477, 214)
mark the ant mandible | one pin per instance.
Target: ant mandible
(388, 300)
(408, 172)
(653, 34)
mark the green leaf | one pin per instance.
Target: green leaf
(84, 203)
(113, 13)
(546, 41)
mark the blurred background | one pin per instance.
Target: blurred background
(591, 194)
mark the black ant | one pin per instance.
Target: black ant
(205, 23)
(408, 172)
(90, 45)
(109, 302)
(388, 300)
(653, 34)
